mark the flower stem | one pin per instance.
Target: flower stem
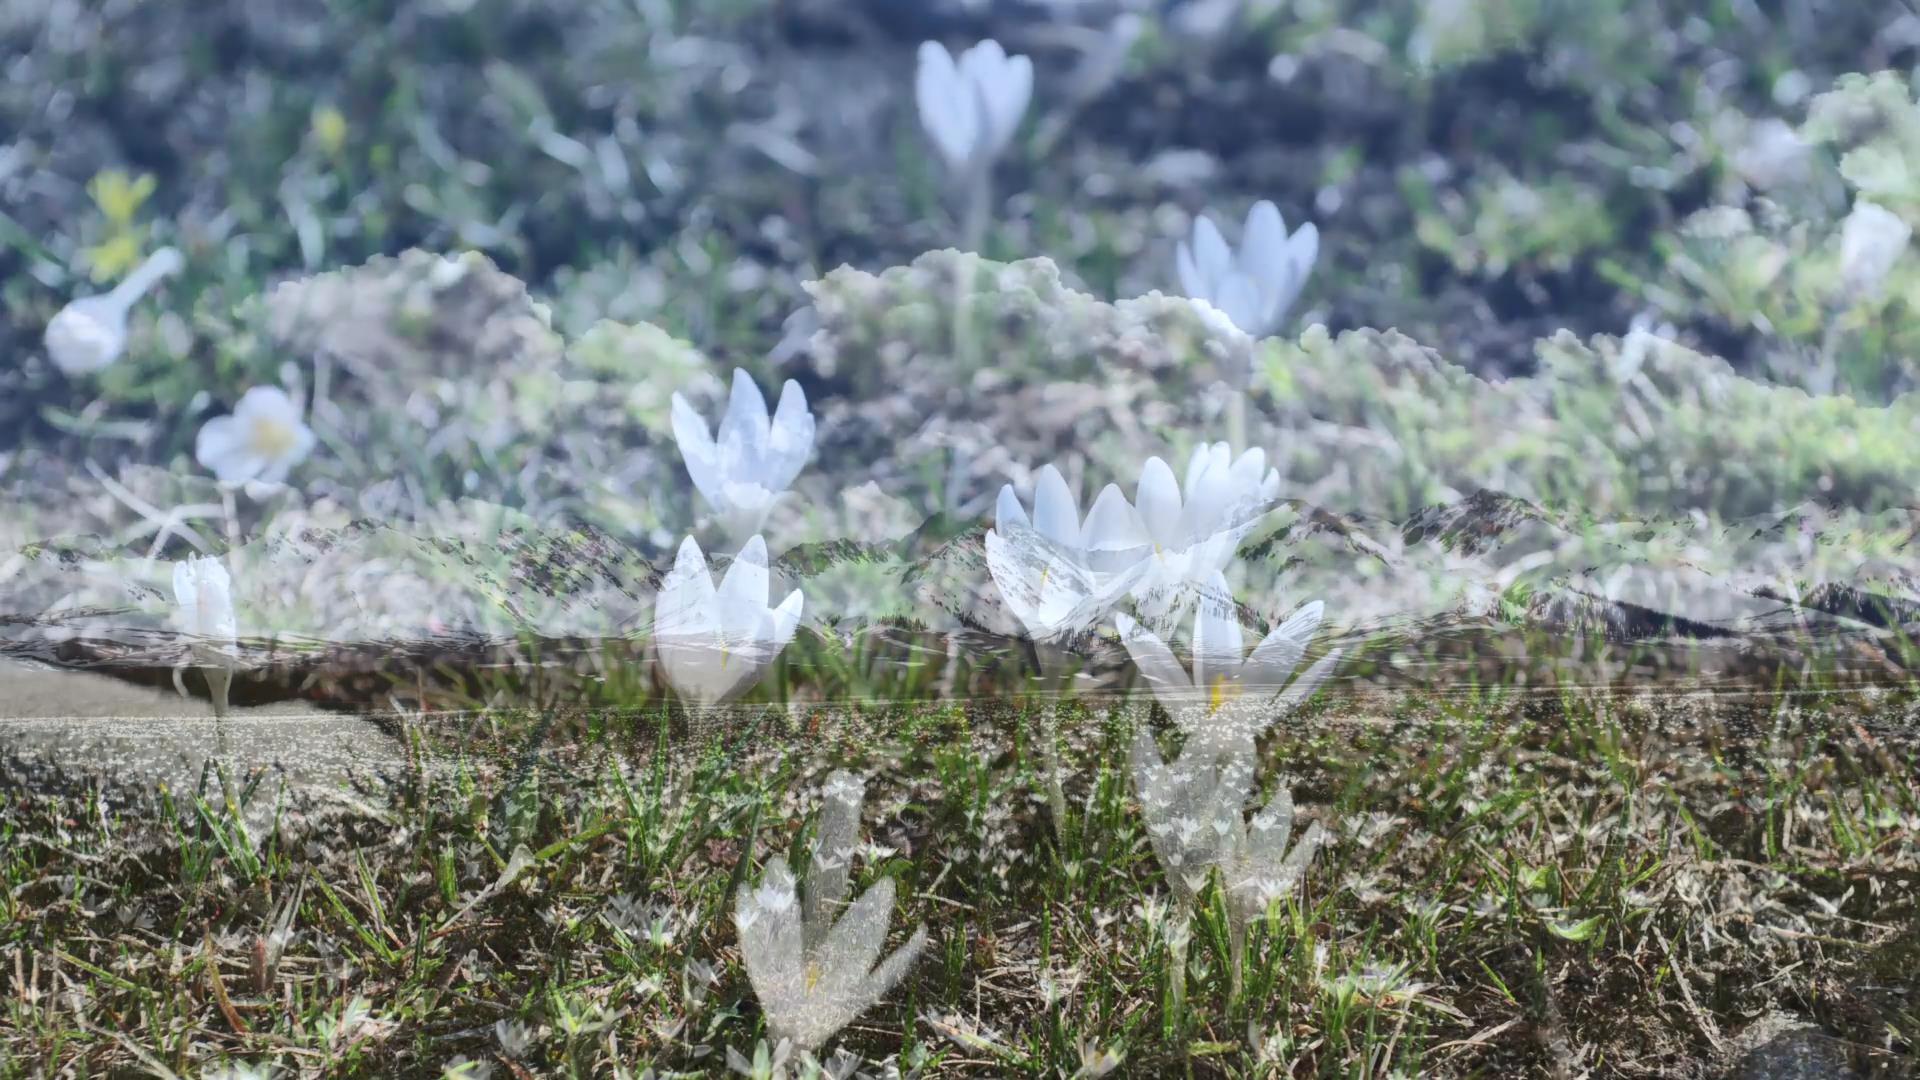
(978, 208)
(1237, 419)
(1050, 760)
(1177, 977)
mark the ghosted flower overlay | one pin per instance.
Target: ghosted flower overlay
(714, 643)
(810, 955)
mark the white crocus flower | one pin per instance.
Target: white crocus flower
(203, 609)
(755, 456)
(90, 333)
(716, 642)
(971, 106)
(1256, 286)
(810, 955)
(1196, 823)
(1197, 535)
(1229, 698)
(1058, 574)
(259, 444)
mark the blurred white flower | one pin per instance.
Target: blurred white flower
(90, 333)
(971, 107)
(1058, 574)
(203, 608)
(715, 643)
(1198, 535)
(755, 456)
(1256, 286)
(812, 960)
(259, 444)
(203, 600)
(1228, 700)
(1196, 823)
(1872, 239)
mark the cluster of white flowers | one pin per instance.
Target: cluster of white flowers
(814, 959)
(1060, 575)
(715, 643)
(972, 105)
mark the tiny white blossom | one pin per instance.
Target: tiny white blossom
(1257, 285)
(813, 965)
(90, 333)
(714, 643)
(971, 106)
(260, 443)
(753, 458)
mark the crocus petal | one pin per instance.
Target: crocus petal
(1263, 244)
(853, 945)
(1279, 652)
(697, 449)
(744, 427)
(770, 940)
(1056, 513)
(790, 440)
(1007, 511)
(1114, 537)
(1015, 576)
(1163, 673)
(1238, 297)
(1309, 681)
(1008, 92)
(743, 589)
(1196, 465)
(947, 108)
(686, 605)
(1191, 283)
(1218, 647)
(1158, 499)
(267, 403)
(220, 440)
(1212, 256)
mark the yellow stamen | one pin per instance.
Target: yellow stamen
(1220, 692)
(270, 438)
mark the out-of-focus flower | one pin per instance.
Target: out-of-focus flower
(1229, 699)
(203, 608)
(1194, 808)
(1256, 286)
(1872, 239)
(1196, 536)
(755, 456)
(812, 960)
(715, 643)
(1058, 574)
(259, 444)
(90, 333)
(971, 106)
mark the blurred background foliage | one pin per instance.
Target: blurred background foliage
(1485, 173)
